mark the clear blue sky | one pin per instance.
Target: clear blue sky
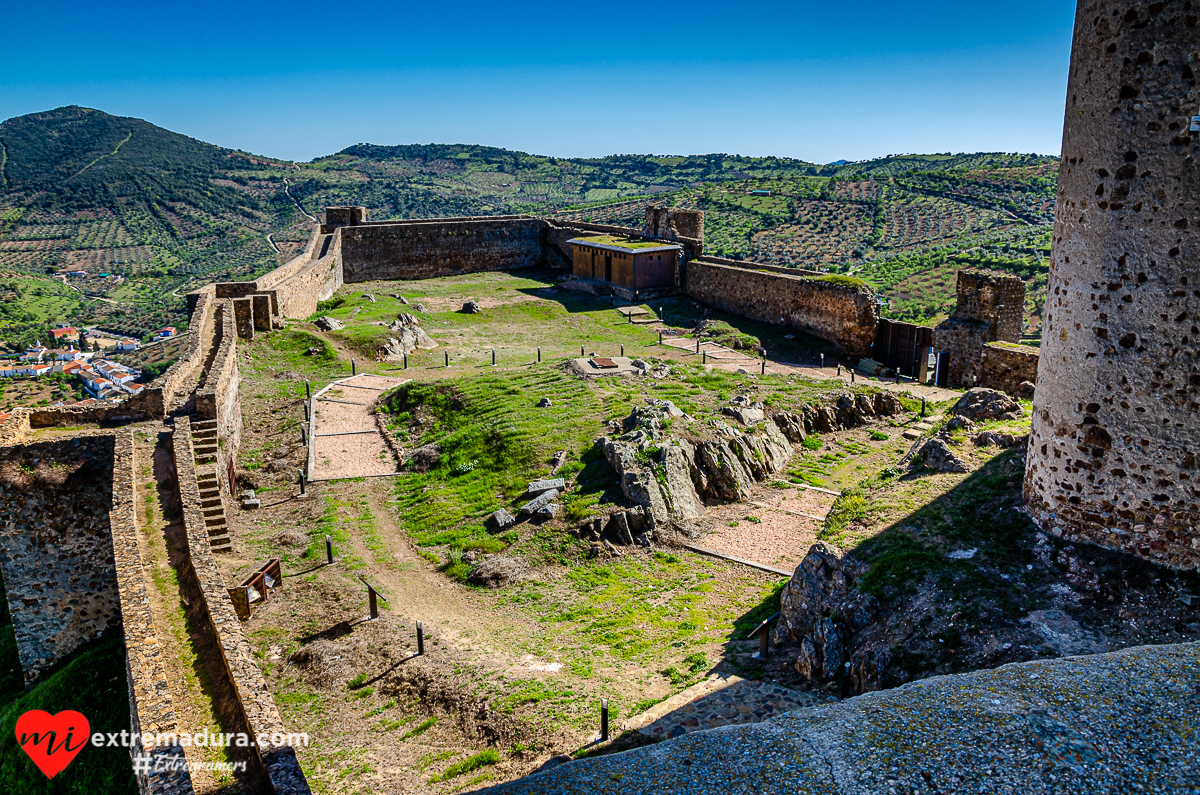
(818, 81)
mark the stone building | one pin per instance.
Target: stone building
(628, 262)
(1114, 453)
(990, 308)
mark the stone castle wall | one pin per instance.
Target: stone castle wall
(990, 307)
(445, 247)
(56, 544)
(217, 399)
(843, 314)
(255, 703)
(1114, 453)
(1006, 366)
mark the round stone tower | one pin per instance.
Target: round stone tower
(1114, 455)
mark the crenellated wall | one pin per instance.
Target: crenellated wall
(834, 310)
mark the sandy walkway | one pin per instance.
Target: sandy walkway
(348, 442)
(787, 526)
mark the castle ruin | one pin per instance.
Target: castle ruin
(1114, 453)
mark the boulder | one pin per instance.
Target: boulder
(420, 308)
(545, 403)
(471, 308)
(651, 415)
(1025, 390)
(400, 298)
(981, 403)
(995, 439)
(791, 425)
(369, 297)
(498, 571)
(938, 456)
(327, 323)
(424, 458)
(548, 511)
(957, 423)
(409, 337)
(746, 415)
(314, 351)
(887, 405)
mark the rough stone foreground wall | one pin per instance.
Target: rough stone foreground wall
(254, 700)
(445, 247)
(1071, 725)
(56, 546)
(963, 340)
(1005, 366)
(842, 314)
(1114, 453)
(217, 398)
(151, 708)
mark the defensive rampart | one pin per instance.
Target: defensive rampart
(254, 703)
(834, 309)
(217, 398)
(444, 247)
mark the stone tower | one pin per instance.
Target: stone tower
(1114, 453)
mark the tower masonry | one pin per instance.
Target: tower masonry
(1114, 453)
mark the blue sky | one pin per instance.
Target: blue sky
(817, 81)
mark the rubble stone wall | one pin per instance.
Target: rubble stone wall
(1114, 453)
(444, 247)
(841, 313)
(217, 398)
(56, 544)
(1006, 366)
(254, 700)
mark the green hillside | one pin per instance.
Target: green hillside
(136, 215)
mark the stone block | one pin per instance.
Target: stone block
(545, 498)
(500, 520)
(538, 486)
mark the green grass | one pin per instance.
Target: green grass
(421, 728)
(488, 756)
(91, 682)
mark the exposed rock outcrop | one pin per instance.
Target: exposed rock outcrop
(327, 323)
(986, 404)
(498, 571)
(937, 455)
(471, 308)
(409, 337)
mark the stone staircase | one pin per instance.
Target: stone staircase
(915, 432)
(204, 445)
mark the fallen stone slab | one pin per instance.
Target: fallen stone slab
(545, 498)
(549, 511)
(538, 486)
(501, 520)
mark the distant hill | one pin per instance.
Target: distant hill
(147, 214)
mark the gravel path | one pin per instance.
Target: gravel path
(780, 537)
(1124, 722)
(353, 454)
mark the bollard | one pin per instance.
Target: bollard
(697, 344)
(353, 368)
(764, 361)
(581, 353)
(704, 357)
(822, 361)
(420, 639)
(846, 680)
(303, 483)
(764, 643)
(622, 350)
(604, 720)
(539, 353)
(922, 407)
(308, 390)
(328, 551)
(493, 357)
(839, 371)
(629, 317)
(447, 358)
(660, 338)
(610, 300)
(852, 376)
(406, 361)
(304, 434)
(373, 603)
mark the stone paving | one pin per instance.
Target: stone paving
(720, 700)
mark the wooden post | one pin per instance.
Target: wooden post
(373, 603)
(539, 354)
(447, 358)
(493, 357)
(328, 551)
(353, 368)
(304, 434)
(308, 390)
(303, 483)
(764, 644)
(420, 639)
(406, 361)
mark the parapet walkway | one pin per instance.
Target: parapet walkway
(1124, 722)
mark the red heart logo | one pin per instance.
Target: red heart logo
(52, 741)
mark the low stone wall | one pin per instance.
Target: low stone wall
(151, 708)
(841, 313)
(298, 295)
(254, 701)
(56, 545)
(444, 247)
(217, 398)
(1005, 366)
(760, 266)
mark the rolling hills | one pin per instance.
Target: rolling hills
(131, 215)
